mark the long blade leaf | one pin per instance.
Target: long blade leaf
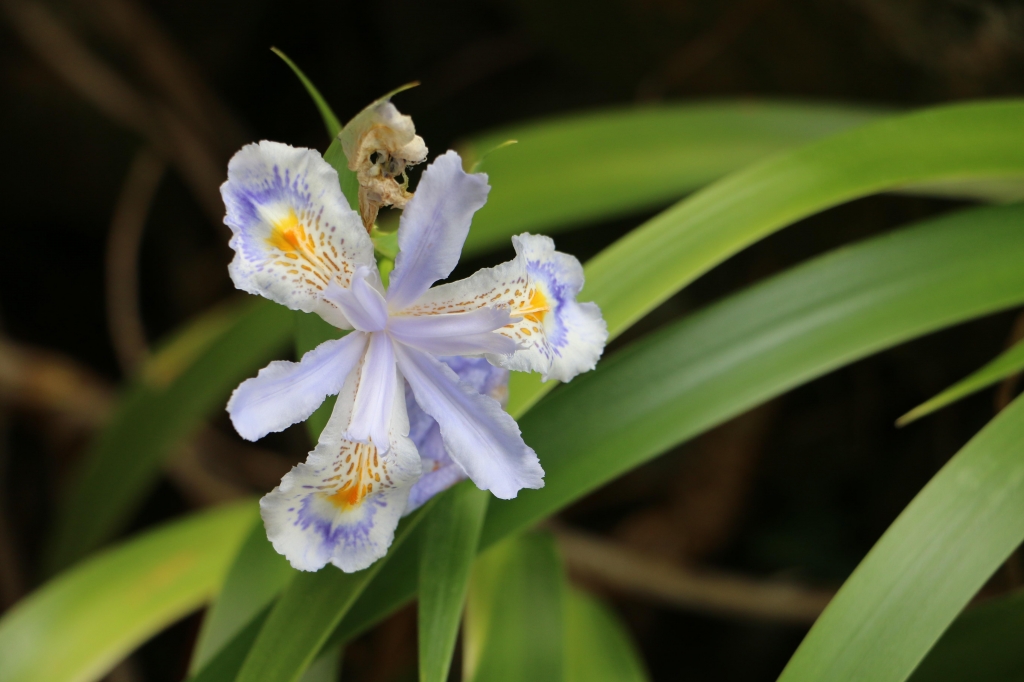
(515, 614)
(1009, 362)
(963, 142)
(124, 460)
(747, 349)
(306, 613)
(982, 645)
(81, 623)
(927, 566)
(597, 647)
(569, 170)
(451, 535)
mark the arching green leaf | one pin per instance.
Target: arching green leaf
(81, 623)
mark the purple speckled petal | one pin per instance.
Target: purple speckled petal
(293, 233)
(342, 504)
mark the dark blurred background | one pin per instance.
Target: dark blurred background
(121, 114)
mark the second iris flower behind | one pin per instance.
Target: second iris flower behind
(297, 242)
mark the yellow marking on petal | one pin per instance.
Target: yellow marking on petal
(288, 234)
(536, 308)
(361, 476)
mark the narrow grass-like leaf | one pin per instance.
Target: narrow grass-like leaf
(927, 566)
(515, 613)
(568, 170)
(257, 576)
(597, 647)
(734, 355)
(331, 122)
(224, 664)
(450, 538)
(124, 460)
(982, 645)
(1009, 362)
(962, 142)
(306, 613)
(742, 351)
(81, 623)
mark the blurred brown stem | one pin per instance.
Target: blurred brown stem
(57, 46)
(167, 68)
(710, 592)
(124, 318)
(209, 469)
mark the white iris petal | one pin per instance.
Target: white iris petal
(298, 243)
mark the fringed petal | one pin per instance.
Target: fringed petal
(342, 504)
(293, 232)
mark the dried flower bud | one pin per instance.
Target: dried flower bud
(381, 144)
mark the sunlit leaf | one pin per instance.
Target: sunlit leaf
(81, 623)
(1008, 363)
(597, 647)
(451, 534)
(927, 566)
(515, 613)
(124, 460)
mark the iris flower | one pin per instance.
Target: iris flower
(297, 242)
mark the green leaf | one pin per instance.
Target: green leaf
(754, 345)
(514, 616)
(225, 663)
(965, 142)
(568, 170)
(257, 576)
(304, 616)
(1008, 363)
(124, 459)
(331, 121)
(451, 535)
(597, 647)
(742, 351)
(927, 566)
(81, 623)
(982, 645)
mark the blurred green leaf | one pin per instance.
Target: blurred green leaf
(927, 566)
(568, 170)
(223, 665)
(514, 616)
(257, 576)
(306, 613)
(982, 645)
(742, 351)
(124, 459)
(977, 141)
(597, 647)
(1009, 362)
(81, 623)
(331, 121)
(451, 535)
